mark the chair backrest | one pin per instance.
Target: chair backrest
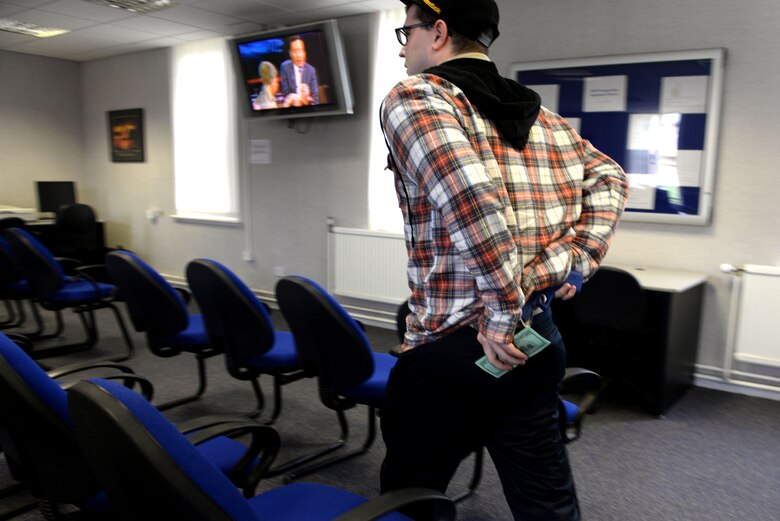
(329, 341)
(148, 469)
(76, 227)
(35, 430)
(613, 299)
(153, 304)
(12, 222)
(9, 270)
(236, 321)
(36, 262)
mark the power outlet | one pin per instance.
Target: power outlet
(279, 271)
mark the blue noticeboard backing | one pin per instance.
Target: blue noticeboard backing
(675, 201)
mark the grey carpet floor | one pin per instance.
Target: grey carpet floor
(713, 456)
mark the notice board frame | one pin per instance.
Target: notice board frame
(643, 79)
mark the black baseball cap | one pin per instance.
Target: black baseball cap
(474, 19)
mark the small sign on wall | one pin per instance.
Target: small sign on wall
(260, 151)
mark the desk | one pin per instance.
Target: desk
(674, 301)
(46, 232)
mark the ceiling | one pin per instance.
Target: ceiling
(100, 31)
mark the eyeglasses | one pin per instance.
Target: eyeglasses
(402, 33)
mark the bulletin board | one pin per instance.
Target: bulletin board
(656, 114)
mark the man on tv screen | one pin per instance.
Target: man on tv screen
(299, 79)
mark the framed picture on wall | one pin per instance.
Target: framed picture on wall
(126, 135)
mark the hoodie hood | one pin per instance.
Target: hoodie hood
(511, 106)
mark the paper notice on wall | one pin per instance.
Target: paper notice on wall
(641, 191)
(576, 124)
(684, 94)
(260, 151)
(549, 95)
(605, 94)
(689, 167)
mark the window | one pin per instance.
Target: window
(205, 132)
(383, 211)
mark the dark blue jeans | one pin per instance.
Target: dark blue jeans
(440, 407)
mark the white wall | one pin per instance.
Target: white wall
(746, 215)
(323, 173)
(40, 126)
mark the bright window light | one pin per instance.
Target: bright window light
(383, 211)
(205, 132)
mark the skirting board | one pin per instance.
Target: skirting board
(745, 388)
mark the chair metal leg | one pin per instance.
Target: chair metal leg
(319, 465)
(201, 359)
(479, 456)
(125, 335)
(301, 460)
(86, 315)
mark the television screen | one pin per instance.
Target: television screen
(293, 72)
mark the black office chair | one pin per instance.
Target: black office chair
(53, 290)
(77, 235)
(122, 435)
(609, 327)
(14, 288)
(158, 310)
(239, 324)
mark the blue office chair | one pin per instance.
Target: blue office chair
(53, 290)
(158, 310)
(14, 288)
(36, 434)
(122, 435)
(332, 345)
(239, 324)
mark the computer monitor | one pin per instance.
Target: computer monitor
(53, 194)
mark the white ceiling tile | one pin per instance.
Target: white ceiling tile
(198, 35)
(87, 10)
(155, 25)
(100, 31)
(27, 3)
(48, 19)
(197, 17)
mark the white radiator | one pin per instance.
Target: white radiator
(367, 265)
(756, 313)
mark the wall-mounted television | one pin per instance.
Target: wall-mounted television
(294, 72)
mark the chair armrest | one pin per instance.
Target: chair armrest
(146, 387)
(442, 506)
(263, 447)
(96, 272)
(202, 422)
(578, 380)
(184, 293)
(86, 366)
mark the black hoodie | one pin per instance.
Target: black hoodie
(511, 106)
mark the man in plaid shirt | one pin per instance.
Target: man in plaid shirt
(505, 206)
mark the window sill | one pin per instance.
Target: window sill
(199, 218)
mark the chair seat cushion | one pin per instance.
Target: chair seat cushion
(373, 390)
(308, 502)
(75, 291)
(281, 356)
(192, 339)
(571, 411)
(20, 289)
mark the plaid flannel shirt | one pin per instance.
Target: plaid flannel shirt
(486, 225)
